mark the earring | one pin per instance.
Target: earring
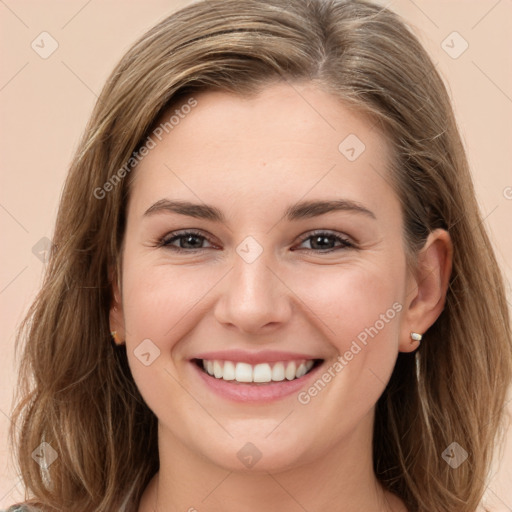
(115, 337)
(415, 337)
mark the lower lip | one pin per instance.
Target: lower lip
(251, 392)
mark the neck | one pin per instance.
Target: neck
(339, 479)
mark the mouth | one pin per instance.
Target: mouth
(257, 374)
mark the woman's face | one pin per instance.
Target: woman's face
(296, 258)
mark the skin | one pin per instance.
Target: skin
(252, 158)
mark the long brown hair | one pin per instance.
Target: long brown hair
(76, 391)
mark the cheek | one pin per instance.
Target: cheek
(354, 302)
(160, 304)
(159, 299)
(358, 309)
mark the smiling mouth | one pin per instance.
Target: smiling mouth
(259, 373)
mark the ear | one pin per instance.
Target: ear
(426, 289)
(117, 328)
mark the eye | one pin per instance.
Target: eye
(185, 241)
(189, 241)
(323, 241)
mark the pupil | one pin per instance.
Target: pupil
(321, 241)
(189, 241)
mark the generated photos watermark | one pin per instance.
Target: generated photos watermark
(151, 142)
(357, 345)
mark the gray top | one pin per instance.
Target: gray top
(18, 508)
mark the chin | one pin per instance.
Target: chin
(256, 454)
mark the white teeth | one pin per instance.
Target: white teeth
(229, 371)
(291, 370)
(278, 372)
(217, 370)
(262, 372)
(243, 372)
(301, 370)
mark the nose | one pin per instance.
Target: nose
(253, 298)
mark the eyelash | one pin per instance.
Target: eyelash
(166, 242)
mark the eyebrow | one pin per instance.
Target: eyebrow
(302, 210)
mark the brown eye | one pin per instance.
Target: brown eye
(326, 242)
(185, 241)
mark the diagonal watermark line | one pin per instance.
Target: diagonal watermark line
(76, 14)
(11, 489)
(492, 81)
(280, 423)
(14, 218)
(216, 487)
(199, 403)
(14, 14)
(287, 492)
(289, 83)
(14, 76)
(485, 15)
(381, 175)
(9, 418)
(198, 301)
(486, 217)
(424, 14)
(376, 376)
(488, 488)
(300, 300)
(304, 195)
(13, 279)
(79, 78)
(198, 198)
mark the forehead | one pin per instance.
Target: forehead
(288, 140)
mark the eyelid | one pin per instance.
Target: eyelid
(347, 242)
(166, 240)
(344, 241)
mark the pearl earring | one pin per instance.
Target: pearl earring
(415, 337)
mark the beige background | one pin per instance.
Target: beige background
(45, 103)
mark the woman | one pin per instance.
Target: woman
(270, 286)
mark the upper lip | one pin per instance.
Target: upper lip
(243, 356)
